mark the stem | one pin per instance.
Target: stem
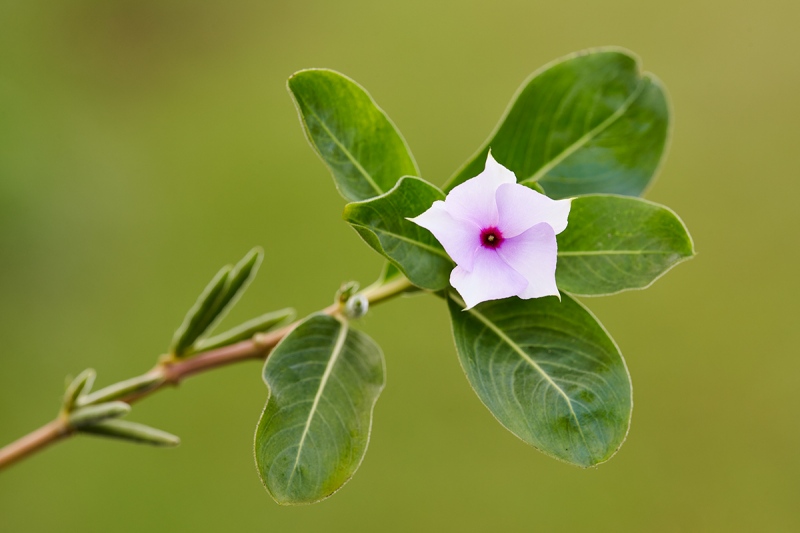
(33, 442)
(172, 372)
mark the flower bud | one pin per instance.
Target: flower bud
(356, 306)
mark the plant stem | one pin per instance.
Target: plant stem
(172, 372)
(33, 442)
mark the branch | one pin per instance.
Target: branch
(172, 372)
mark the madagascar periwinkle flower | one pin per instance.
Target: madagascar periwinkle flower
(502, 236)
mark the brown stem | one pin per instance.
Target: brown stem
(34, 441)
(172, 372)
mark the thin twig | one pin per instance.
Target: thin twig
(172, 372)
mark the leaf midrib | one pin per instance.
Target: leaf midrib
(587, 137)
(514, 346)
(337, 350)
(616, 252)
(347, 152)
(403, 238)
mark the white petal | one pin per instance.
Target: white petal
(491, 279)
(533, 253)
(475, 198)
(498, 171)
(521, 208)
(460, 238)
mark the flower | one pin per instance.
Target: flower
(502, 236)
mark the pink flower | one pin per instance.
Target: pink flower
(502, 236)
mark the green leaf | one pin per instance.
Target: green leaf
(389, 273)
(92, 414)
(324, 379)
(359, 144)
(622, 157)
(588, 123)
(617, 243)
(346, 291)
(132, 432)
(535, 186)
(382, 223)
(247, 330)
(241, 276)
(196, 320)
(78, 387)
(549, 372)
(215, 301)
(122, 389)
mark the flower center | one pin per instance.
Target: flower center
(491, 237)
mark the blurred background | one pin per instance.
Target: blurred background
(145, 143)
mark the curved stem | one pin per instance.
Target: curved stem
(172, 372)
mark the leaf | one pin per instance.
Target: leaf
(389, 273)
(588, 123)
(549, 372)
(132, 432)
(346, 290)
(122, 389)
(324, 379)
(617, 243)
(355, 139)
(78, 387)
(247, 330)
(215, 301)
(195, 322)
(623, 158)
(382, 223)
(92, 414)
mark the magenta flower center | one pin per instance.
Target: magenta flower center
(491, 237)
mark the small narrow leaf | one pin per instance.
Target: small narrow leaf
(78, 386)
(617, 243)
(195, 322)
(92, 414)
(346, 291)
(353, 136)
(121, 389)
(132, 432)
(247, 330)
(241, 276)
(587, 123)
(549, 372)
(324, 379)
(218, 297)
(382, 223)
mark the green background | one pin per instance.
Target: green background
(145, 143)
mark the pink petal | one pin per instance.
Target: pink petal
(521, 208)
(533, 255)
(460, 238)
(490, 279)
(474, 199)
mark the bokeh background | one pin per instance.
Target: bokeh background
(144, 143)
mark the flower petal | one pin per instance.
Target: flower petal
(533, 254)
(474, 199)
(521, 208)
(490, 279)
(497, 171)
(460, 238)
